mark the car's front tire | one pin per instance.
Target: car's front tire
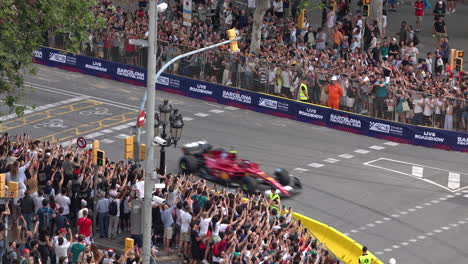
(188, 164)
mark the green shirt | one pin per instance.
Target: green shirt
(201, 199)
(76, 249)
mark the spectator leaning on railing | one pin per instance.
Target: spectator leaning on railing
(207, 224)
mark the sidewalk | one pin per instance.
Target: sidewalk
(118, 246)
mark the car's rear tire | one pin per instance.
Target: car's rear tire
(249, 185)
(282, 176)
(188, 164)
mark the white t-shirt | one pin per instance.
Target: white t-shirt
(64, 203)
(286, 78)
(204, 224)
(185, 219)
(417, 108)
(278, 6)
(38, 203)
(61, 251)
(427, 107)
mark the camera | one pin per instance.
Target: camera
(160, 141)
(158, 200)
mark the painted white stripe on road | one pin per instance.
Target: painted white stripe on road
(346, 156)
(202, 114)
(119, 127)
(417, 171)
(186, 118)
(330, 160)
(376, 147)
(216, 111)
(47, 106)
(315, 165)
(300, 169)
(390, 143)
(230, 108)
(454, 180)
(107, 141)
(121, 136)
(94, 135)
(361, 151)
(107, 131)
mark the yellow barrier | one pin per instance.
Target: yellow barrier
(343, 247)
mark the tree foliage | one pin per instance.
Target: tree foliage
(23, 28)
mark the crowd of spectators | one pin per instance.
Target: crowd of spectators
(381, 74)
(52, 219)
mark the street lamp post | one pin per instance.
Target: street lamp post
(168, 116)
(150, 175)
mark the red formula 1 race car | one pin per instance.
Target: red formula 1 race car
(225, 168)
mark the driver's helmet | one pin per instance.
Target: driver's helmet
(233, 154)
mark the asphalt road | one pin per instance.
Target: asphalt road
(373, 190)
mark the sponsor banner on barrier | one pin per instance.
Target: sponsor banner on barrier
(319, 115)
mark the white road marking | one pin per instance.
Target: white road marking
(390, 143)
(301, 169)
(47, 106)
(353, 231)
(413, 240)
(315, 165)
(411, 210)
(230, 108)
(330, 160)
(378, 253)
(369, 163)
(403, 213)
(346, 156)
(443, 198)
(186, 118)
(396, 246)
(377, 147)
(404, 243)
(417, 171)
(201, 114)
(386, 219)
(387, 250)
(466, 195)
(429, 234)
(119, 127)
(378, 222)
(94, 135)
(107, 131)
(421, 237)
(370, 225)
(395, 215)
(216, 111)
(361, 151)
(121, 136)
(454, 180)
(446, 227)
(107, 141)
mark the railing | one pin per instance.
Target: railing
(259, 75)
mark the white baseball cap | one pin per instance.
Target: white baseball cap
(333, 78)
(392, 261)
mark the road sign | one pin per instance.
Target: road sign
(81, 142)
(141, 118)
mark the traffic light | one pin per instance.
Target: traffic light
(129, 147)
(142, 152)
(12, 189)
(453, 55)
(459, 60)
(2, 185)
(231, 33)
(300, 19)
(100, 158)
(366, 8)
(95, 150)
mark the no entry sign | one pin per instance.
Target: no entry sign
(81, 142)
(141, 119)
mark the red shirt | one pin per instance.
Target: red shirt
(419, 8)
(84, 224)
(129, 47)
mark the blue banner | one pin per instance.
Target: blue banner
(264, 103)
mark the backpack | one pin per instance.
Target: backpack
(113, 208)
(415, 39)
(44, 218)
